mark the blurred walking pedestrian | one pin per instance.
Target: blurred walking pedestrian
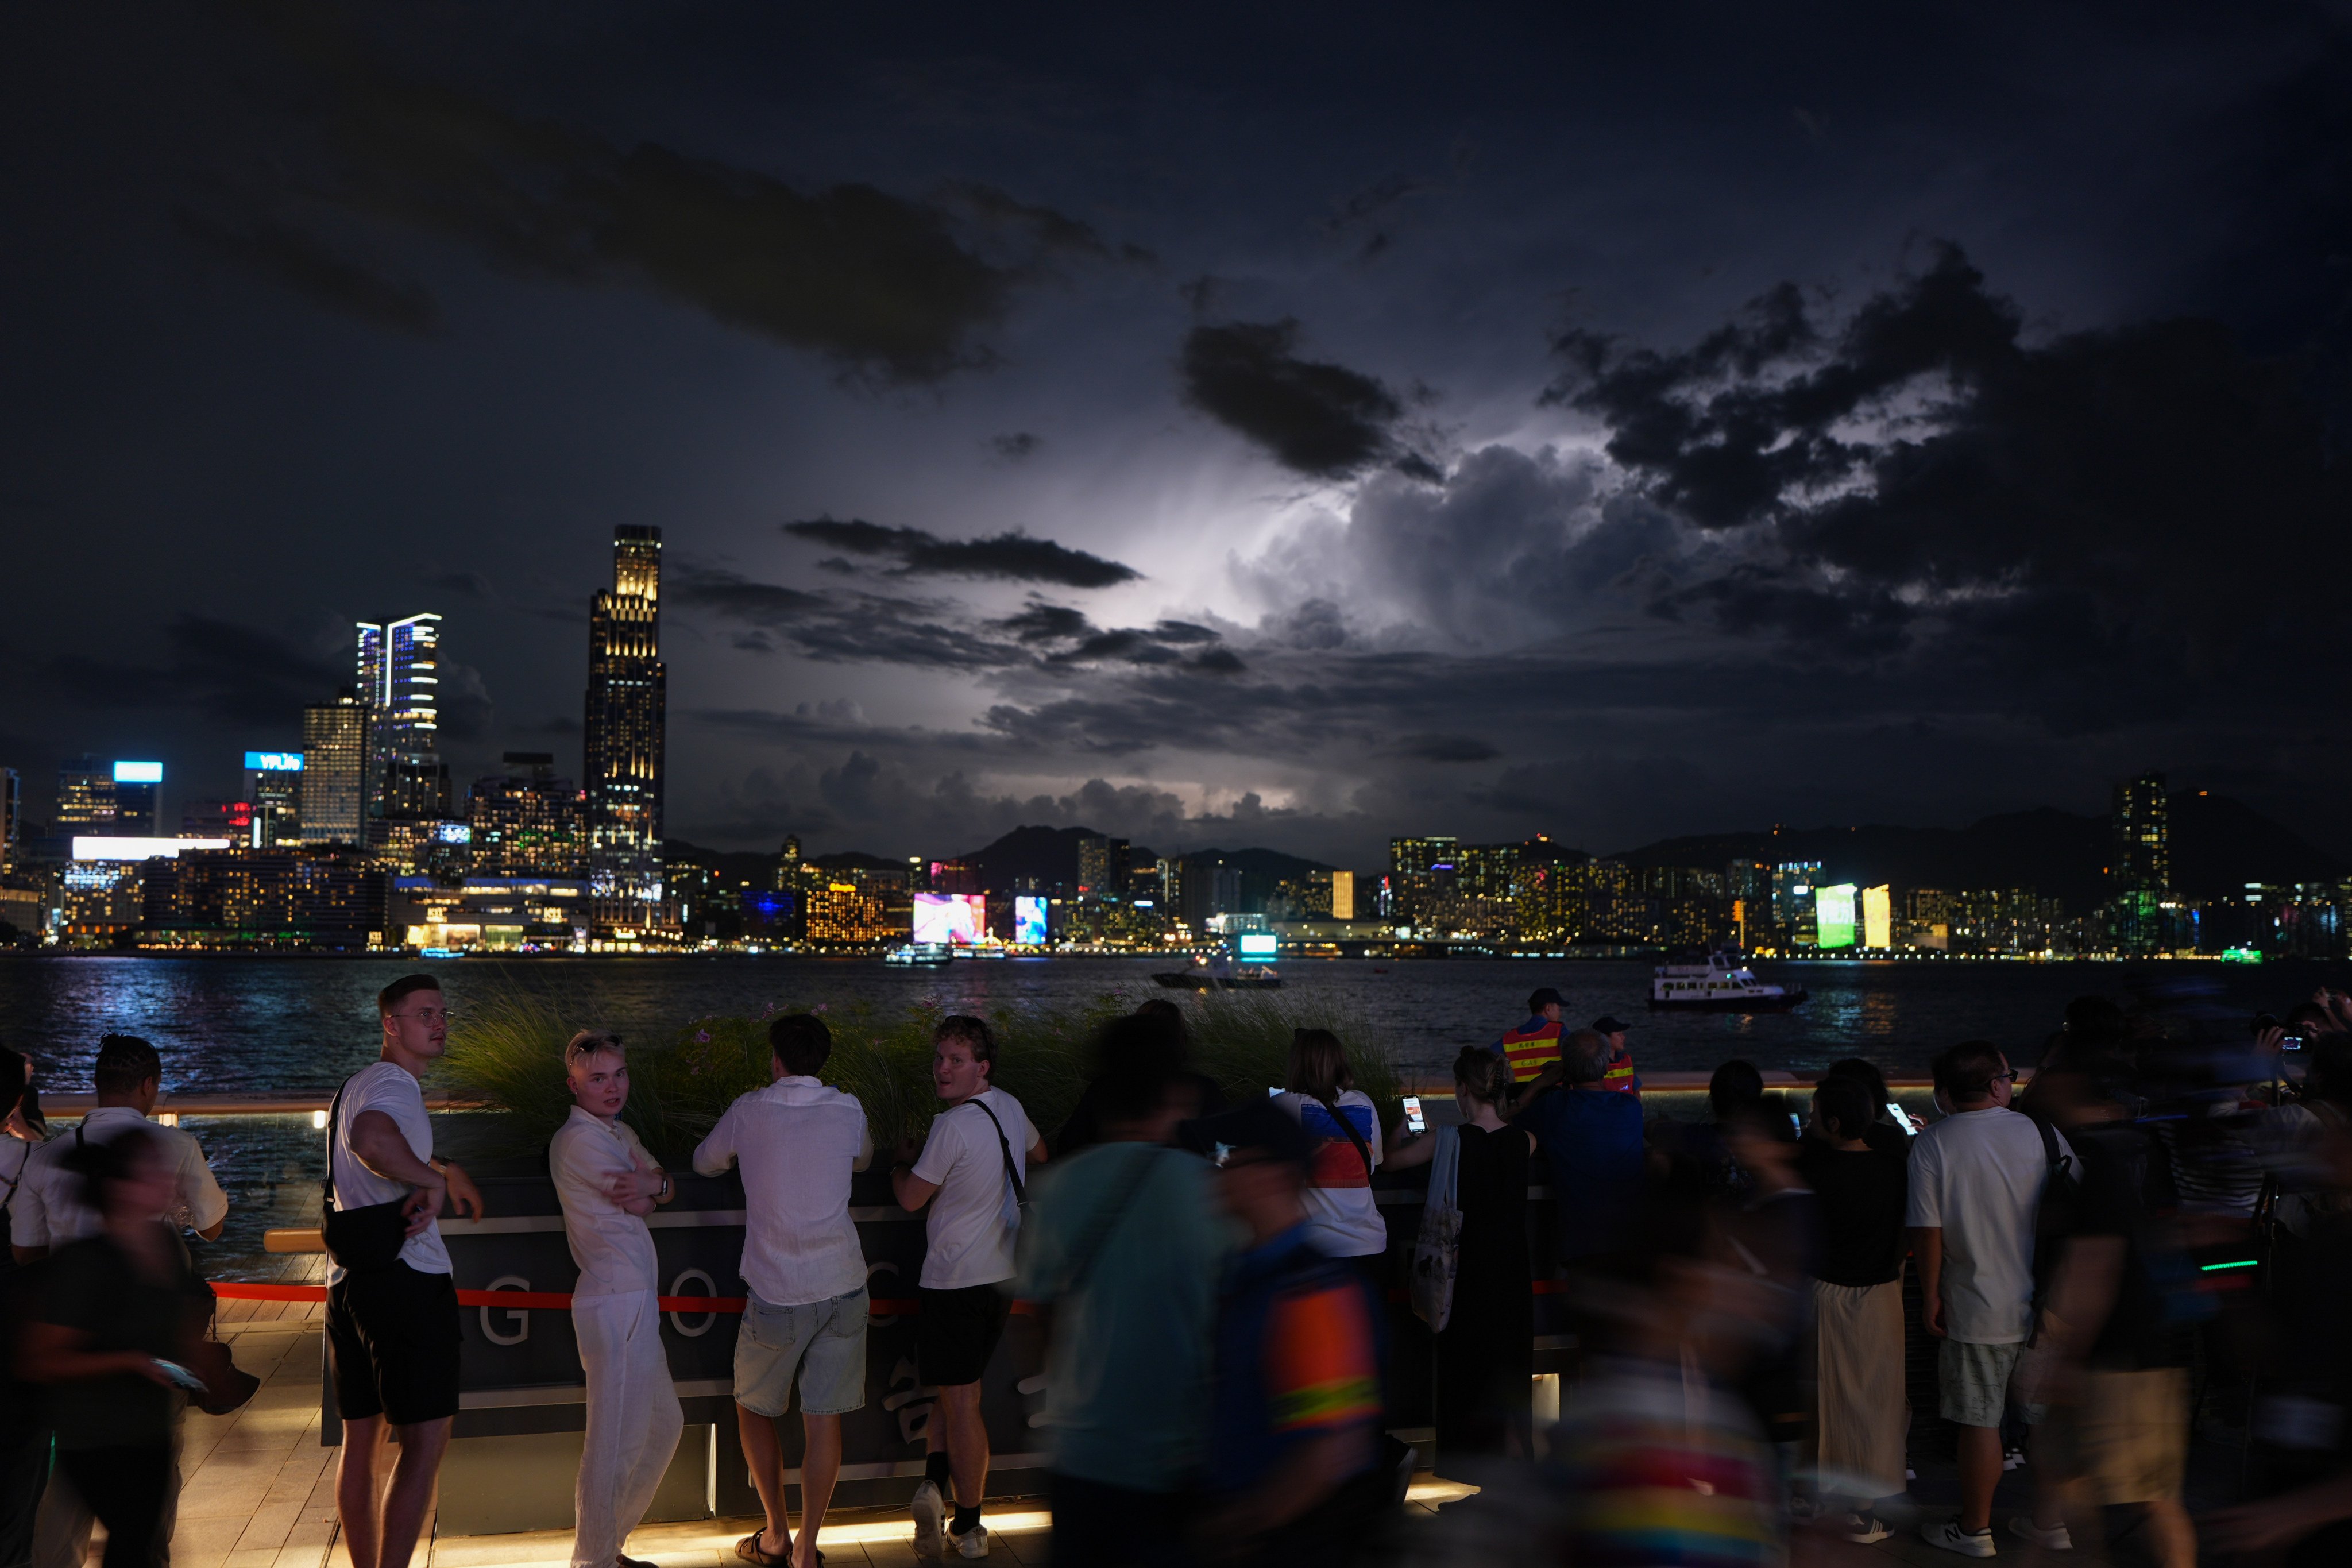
(1122, 1250)
(1197, 1093)
(796, 1142)
(1486, 1353)
(23, 1435)
(1864, 1414)
(972, 1171)
(1295, 1473)
(607, 1183)
(46, 1212)
(117, 1318)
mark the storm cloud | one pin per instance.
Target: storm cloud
(1315, 418)
(1013, 557)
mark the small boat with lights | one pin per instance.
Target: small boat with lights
(920, 955)
(1718, 982)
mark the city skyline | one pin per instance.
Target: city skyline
(1283, 433)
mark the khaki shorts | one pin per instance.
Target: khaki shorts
(2134, 1433)
(1972, 1383)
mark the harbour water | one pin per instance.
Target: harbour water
(303, 1025)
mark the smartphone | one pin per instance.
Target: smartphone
(1902, 1120)
(1271, 1093)
(2291, 1042)
(1415, 1122)
(179, 1375)
(1796, 1123)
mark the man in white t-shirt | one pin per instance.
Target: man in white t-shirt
(607, 1183)
(392, 1329)
(796, 1142)
(1977, 1181)
(45, 1212)
(973, 1172)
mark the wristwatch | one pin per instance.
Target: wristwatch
(661, 1193)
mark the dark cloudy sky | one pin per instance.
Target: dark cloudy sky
(1241, 425)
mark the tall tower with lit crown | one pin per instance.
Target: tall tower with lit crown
(626, 719)
(400, 680)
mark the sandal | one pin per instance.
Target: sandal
(748, 1549)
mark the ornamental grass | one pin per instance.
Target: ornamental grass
(506, 1049)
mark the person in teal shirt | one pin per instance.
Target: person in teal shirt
(1126, 1244)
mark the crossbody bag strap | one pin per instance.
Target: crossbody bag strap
(1362, 1147)
(333, 1106)
(1020, 1192)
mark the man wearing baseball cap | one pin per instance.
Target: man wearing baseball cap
(1533, 1049)
(1619, 1075)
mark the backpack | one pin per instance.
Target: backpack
(1436, 1250)
(2055, 1220)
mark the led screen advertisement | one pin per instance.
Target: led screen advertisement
(1878, 917)
(957, 920)
(1834, 915)
(1258, 946)
(137, 773)
(1028, 920)
(274, 761)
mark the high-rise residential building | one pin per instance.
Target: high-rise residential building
(337, 757)
(273, 787)
(229, 819)
(1343, 894)
(1420, 878)
(12, 816)
(136, 786)
(526, 821)
(1793, 912)
(626, 719)
(1102, 867)
(399, 678)
(2141, 853)
(85, 798)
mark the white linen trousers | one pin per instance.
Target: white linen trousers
(634, 1421)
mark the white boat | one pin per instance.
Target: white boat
(920, 955)
(1720, 982)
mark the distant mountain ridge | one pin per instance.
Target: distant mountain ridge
(2218, 845)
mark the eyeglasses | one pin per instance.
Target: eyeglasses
(430, 1015)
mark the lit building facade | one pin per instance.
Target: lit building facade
(85, 797)
(273, 788)
(526, 821)
(337, 757)
(399, 669)
(2139, 912)
(625, 723)
(137, 786)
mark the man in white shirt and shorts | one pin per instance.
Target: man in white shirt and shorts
(607, 1185)
(1977, 1181)
(796, 1142)
(392, 1329)
(972, 1171)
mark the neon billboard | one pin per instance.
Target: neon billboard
(137, 773)
(1834, 915)
(1028, 920)
(274, 761)
(959, 920)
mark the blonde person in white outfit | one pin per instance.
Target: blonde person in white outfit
(608, 1184)
(796, 1142)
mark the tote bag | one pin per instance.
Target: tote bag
(1437, 1251)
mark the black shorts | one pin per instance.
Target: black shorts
(391, 1345)
(957, 1331)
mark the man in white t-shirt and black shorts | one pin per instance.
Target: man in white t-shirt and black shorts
(973, 1172)
(392, 1330)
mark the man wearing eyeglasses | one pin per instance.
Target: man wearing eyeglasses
(391, 1331)
(1977, 1182)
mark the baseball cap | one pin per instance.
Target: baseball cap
(1547, 997)
(1607, 1024)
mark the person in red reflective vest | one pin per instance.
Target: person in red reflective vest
(1619, 1075)
(1532, 1049)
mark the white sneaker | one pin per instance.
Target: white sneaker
(1866, 1529)
(2013, 1459)
(972, 1542)
(931, 1512)
(2054, 1539)
(1948, 1534)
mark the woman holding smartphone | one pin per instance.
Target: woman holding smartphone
(1486, 1353)
(114, 1311)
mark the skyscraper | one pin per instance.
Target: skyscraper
(11, 811)
(336, 768)
(2141, 855)
(625, 723)
(85, 797)
(273, 787)
(136, 785)
(399, 677)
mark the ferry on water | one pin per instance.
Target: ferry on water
(920, 955)
(1720, 983)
